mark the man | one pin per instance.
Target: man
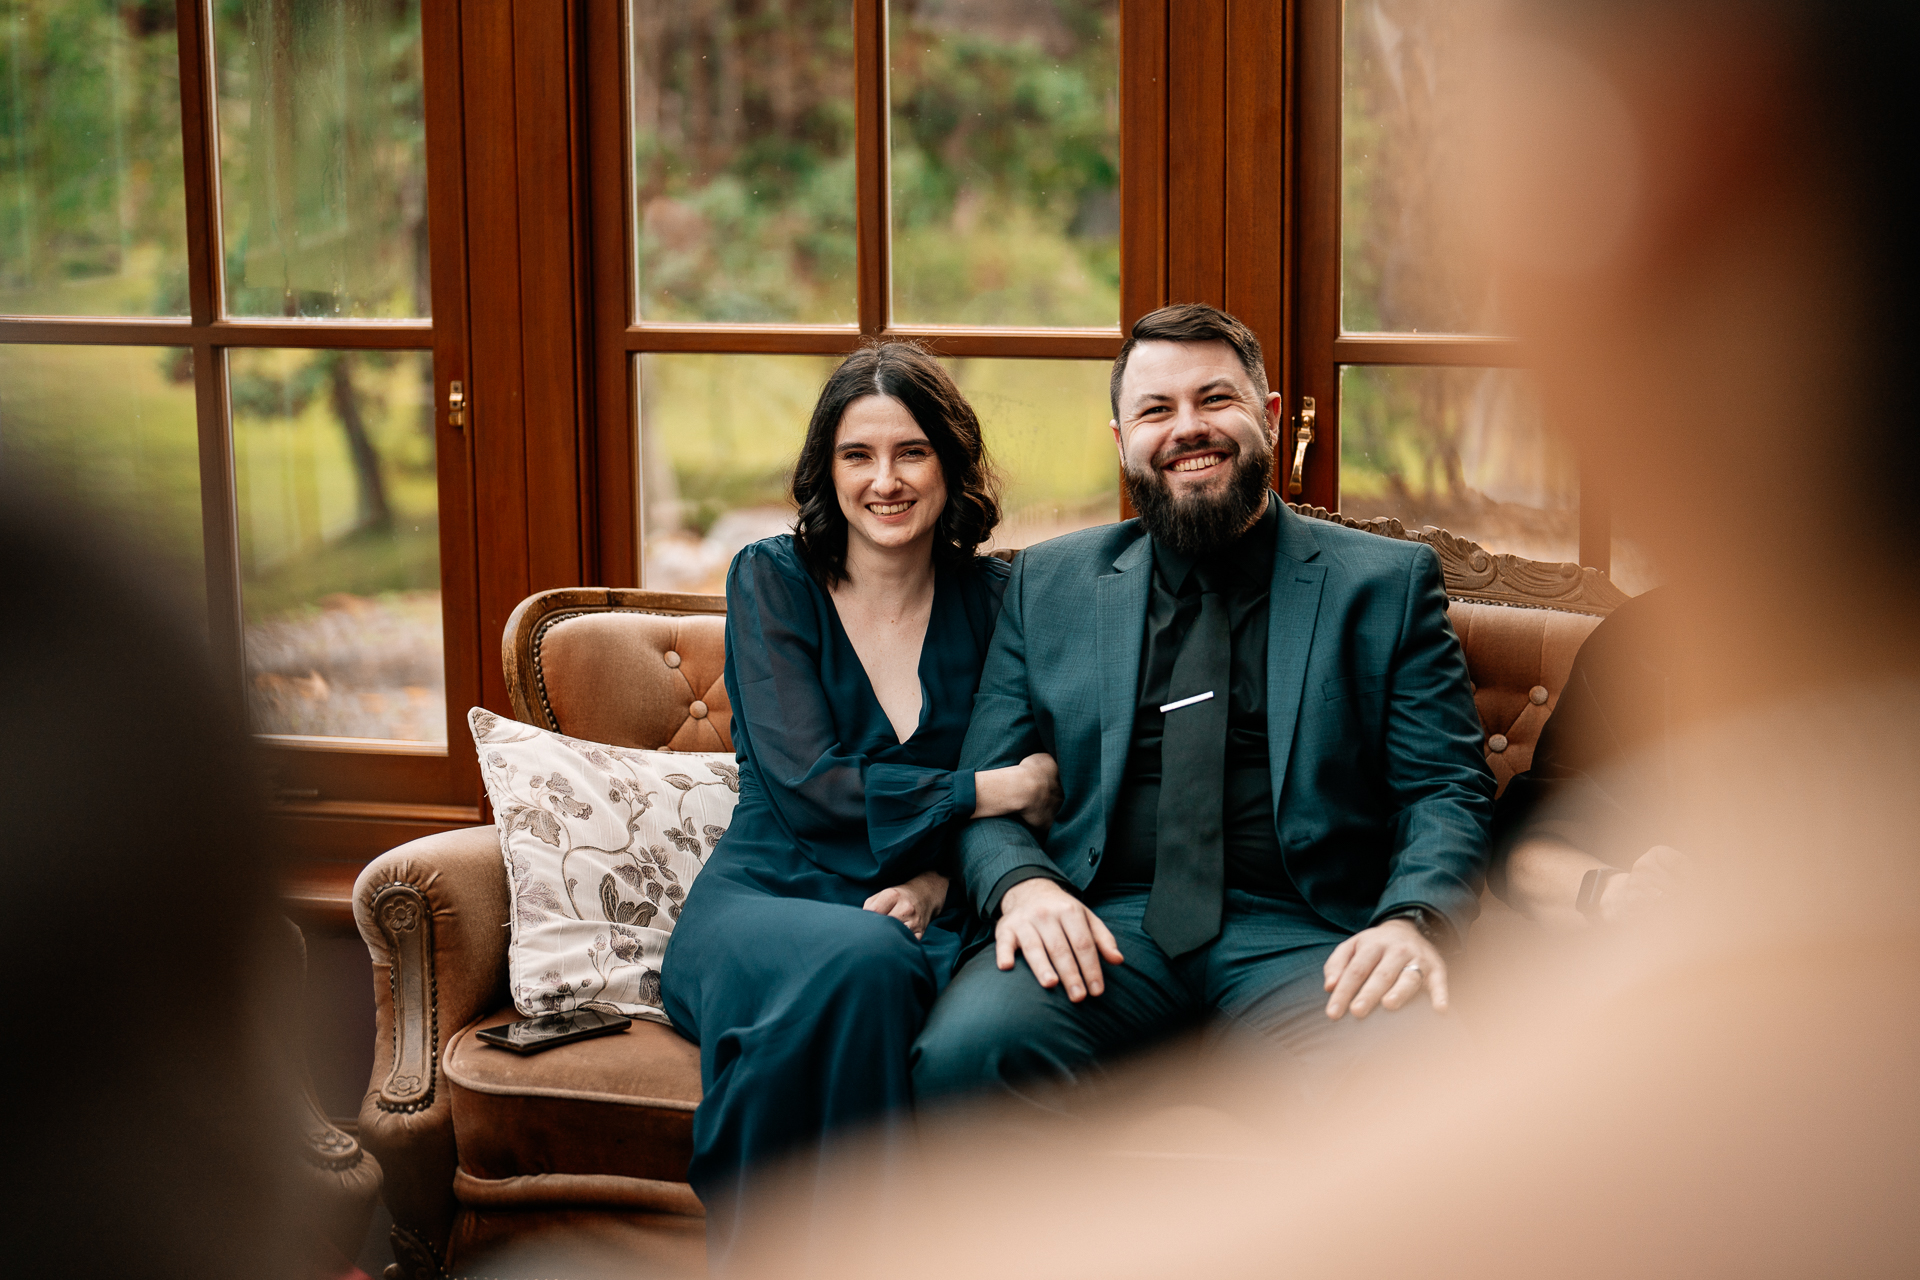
(1275, 807)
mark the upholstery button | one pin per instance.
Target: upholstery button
(697, 709)
(1539, 695)
(672, 658)
(1497, 743)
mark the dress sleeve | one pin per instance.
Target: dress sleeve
(906, 803)
(857, 820)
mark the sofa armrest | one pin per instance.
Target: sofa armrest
(433, 913)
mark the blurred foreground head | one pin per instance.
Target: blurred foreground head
(143, 1108)
(1696, 213)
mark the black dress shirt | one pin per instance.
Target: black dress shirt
(1251, 844)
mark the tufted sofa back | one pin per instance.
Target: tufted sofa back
(1518, 659)
(643, 668)
(627, 667)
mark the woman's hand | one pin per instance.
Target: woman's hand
(914, 903)
(1029, 790)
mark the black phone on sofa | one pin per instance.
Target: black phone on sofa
(531, 1035)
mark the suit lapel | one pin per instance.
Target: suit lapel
(1294, 611)
(1120, 602)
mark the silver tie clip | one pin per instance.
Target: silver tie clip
(1187, 702)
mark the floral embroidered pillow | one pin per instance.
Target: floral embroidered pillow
(601, 845)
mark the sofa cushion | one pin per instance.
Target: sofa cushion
(601, 844)
(1519, 660)
(619, 1104)
(637, 679)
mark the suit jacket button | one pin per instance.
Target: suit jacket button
(1093, 857)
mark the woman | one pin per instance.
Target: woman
(813, 943)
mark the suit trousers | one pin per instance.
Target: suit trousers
(1261, 980)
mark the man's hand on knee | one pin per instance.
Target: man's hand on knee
(1061, 938)
(1385, 966)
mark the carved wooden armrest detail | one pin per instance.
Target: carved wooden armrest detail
(406, 921)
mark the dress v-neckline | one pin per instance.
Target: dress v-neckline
(919, 669)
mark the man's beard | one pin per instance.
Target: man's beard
(1201, 524)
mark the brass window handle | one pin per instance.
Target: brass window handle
(1301, 439)
(457, 404)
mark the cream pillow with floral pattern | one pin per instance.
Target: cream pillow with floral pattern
(601, 844)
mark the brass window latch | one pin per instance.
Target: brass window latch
(457, 405)
(1302, 437)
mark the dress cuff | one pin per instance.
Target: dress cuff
(1032, 871)
(907, 803)
(965, 801)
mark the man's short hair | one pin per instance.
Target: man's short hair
(1191, 322)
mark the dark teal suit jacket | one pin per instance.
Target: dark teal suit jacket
(1382, 798)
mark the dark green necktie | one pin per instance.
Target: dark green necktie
(1189, 876)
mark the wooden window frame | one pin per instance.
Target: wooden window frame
(1229, 195)
(1320, 347)
(620, 334)
(387, 782)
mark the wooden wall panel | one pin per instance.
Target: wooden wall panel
(614, 462)
(1315, 322)
(1197, 153)
(550, 288)
(1143, 158)
(496, 418)
(1256, 177)
(447, 245)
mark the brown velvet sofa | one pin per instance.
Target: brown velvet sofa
(481, 1147)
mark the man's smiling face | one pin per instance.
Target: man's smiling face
(1196, 441)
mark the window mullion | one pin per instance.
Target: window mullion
(219, 514)
(219, 520)
(199, 154)
(1315, 329)
(873, 181)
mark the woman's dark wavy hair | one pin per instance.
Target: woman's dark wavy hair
(908, 374)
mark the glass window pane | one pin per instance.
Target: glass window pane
(1406, 262)
(323, 181)
(92, 207)
(112, 430)
(743, 160)
(1006, 162)
(719, 435)
(1046, 425)
(1464, 449)
(339, 542)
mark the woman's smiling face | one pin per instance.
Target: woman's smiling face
(887, 475)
